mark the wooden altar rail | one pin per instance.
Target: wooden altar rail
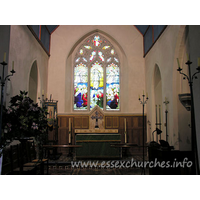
(134, 126)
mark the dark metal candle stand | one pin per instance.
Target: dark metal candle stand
(193, 128)
(3, 81)
(143, 102)
(158, 123)
(166, 112)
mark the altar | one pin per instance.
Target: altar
(97, 145)
(96, 141)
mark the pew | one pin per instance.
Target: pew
(20, 161)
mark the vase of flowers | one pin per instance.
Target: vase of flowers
(25, 119)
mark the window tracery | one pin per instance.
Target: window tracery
(96, 75)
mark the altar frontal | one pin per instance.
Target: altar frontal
(96, 141)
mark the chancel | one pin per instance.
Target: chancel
(96, 74)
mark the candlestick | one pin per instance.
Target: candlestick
(156, 117)
(4, 57)
(160, 120)
(69, 130)
(125, 123)
(69, 124)
(159, 115)
(143, 102)
(69, 137)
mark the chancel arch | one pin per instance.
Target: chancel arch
(33, 82)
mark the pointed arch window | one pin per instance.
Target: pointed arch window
(96, 75)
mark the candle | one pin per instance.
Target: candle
(13, 65)
(178, 63)
(69, 124)
(188, 57)
(125, 138)
(38, 94)
(147, 95)
(159, 116)
(42, 92)
(4, 57)
(198, 62)
(46, 96)
(143, 92)
(125, 123)
(156, 116)
(139, 96)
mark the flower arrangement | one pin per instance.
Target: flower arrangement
(23, 118)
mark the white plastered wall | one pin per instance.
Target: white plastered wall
(24, 51)
(129, 46)
(164, 54)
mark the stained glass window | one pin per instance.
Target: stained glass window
(96, 85)
(80, 86)
(96, 82)
(105, 47)
(112, 86)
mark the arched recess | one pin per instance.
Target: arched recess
(158, 103)
(70, 67)
(33, 82)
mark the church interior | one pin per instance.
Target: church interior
(113, 94)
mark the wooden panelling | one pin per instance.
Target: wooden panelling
(85, 122)
(129, 123)
(140, 121)
(134, 126)
(77, 122)
(109, 122)
(121, 122)
(64, 122)
(135, 121)
(115, 122)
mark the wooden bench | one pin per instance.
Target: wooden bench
(31, 154)
(71, 146)
(18, 161)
